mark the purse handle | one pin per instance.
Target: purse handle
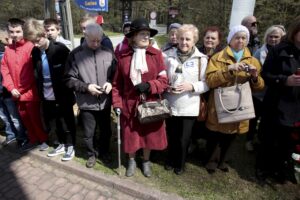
(238, 86)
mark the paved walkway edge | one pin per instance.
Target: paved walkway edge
(126, 186)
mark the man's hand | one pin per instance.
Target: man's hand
(94, 89)
(293, 80)
(15, 93)
(107, 87)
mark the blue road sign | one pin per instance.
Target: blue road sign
(93, 5)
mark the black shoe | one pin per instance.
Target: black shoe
(211, 171)
(91, 162)
(27, 147)
(168, 167)
(225, 169)
(178, 171)
(8, 141)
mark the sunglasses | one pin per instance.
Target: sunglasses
(254, 24)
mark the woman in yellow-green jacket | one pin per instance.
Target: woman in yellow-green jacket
(223, 69)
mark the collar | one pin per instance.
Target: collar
(197, 53)
(227, 56)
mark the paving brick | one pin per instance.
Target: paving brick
(60, 191)
(59, 173)
(44, 195)
(105, 190)
(53, 188)
(75, 188)
(92, 195)
(77, 197)
(33, 180)
(61, 181)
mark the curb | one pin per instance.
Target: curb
(123, 185)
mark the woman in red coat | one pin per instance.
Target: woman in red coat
(141, 70)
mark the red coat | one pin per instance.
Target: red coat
(136, 135)
(122, 46)
(17, 70)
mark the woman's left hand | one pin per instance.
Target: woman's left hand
(184, 87)
(253, 71)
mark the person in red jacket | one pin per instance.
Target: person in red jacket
(18, 78)
(141, 70)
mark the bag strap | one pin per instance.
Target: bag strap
(239, 87)
(199, 68)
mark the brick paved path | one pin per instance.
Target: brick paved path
(24, 178)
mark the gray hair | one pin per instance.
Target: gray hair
(273, 28)
(93, 29)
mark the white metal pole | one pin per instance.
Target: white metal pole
(239, 10)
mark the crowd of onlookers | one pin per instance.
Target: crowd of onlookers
(42, 77)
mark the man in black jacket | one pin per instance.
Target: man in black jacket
(49, 60)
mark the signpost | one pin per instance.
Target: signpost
(93, 5)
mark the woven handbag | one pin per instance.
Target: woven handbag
(153, 111)
(234, 103)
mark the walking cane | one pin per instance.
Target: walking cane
(118, 112)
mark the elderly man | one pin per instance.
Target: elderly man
(90, 72)
(251, 23)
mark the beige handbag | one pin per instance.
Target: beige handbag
(234, 103)
(153, 111)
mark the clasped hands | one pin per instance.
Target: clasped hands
(183, 87)
(97, 90)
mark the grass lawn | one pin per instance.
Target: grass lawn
(196, 183)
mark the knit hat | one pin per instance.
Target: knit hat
(174, 25)
(235, 29)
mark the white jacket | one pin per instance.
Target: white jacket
(187, 103)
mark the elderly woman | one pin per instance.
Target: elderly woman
(281, 107)
(272, 37)
(184, 64)
(172, 35)
(224, 69)
(140, 70)
(212, 38)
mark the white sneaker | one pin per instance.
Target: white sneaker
(57, 151)
(296, 157)
(69, 155)
(43, 146)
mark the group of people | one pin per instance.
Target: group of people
(40, 73)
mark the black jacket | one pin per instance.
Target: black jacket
(57, 54)
(281, 102)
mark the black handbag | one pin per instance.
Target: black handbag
(153, 111)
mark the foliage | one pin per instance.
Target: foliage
(201, 13)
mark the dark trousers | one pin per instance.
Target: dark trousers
(258, 106)
(179, 130)
(277, 145)
(64, 121)
(90, 119)
(217, 148)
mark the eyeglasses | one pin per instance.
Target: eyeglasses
(254, 24)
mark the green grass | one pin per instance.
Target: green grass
(196, 183)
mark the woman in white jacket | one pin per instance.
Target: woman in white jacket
(184, 65)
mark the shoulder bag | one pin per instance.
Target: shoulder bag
(234, 103)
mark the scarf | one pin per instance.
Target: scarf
(184, 56)
(138, 65)
(237, 54)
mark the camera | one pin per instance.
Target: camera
(247, 68)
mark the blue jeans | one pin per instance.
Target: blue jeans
(13, 125)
